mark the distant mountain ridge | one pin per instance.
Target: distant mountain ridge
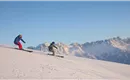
(114, 49)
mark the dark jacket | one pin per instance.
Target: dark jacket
(51, 47)
(17, 39)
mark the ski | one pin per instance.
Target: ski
(56, 55)
(24, 50)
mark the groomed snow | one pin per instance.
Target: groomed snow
(15, 64)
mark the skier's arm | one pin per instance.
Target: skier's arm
(55, 47)
(23, 41)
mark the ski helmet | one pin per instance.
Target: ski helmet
(53, 42)
(20, 35)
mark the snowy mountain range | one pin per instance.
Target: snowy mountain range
(114, 49)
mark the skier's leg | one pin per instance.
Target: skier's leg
(20, 45)
(53, 52)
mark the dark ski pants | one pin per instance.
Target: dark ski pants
(52, 52)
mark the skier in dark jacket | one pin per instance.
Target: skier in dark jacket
(51, 48)
(17, 41)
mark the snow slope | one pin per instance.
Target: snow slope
(16, 64)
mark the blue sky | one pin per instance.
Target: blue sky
(67, 22)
